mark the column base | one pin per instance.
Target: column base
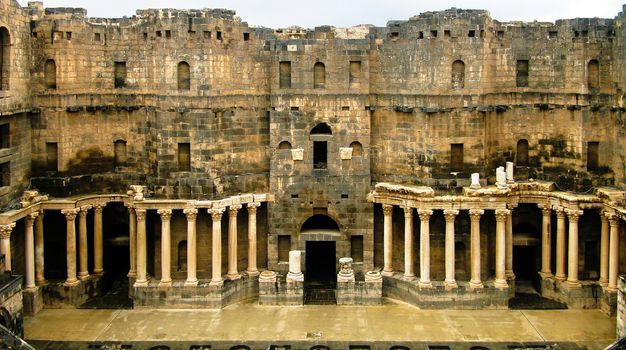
(545, 275)
(500, 284)
(139, 283)
(71, 283)
(98, 272)
(387, 273)
(132, 274)
(449, 285)
(425, 284)
(572, 284)
(560, 277)
(509, 274)
(31, 289)
(191, 283)
(233, 276)
(165, 283)
(476, 285)
(216, 283)
(41, 283)
(409, 277)
(611, 289)
(603, 283)
(83, 275)
(252, 272)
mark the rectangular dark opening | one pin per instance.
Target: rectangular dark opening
(553, 34)
(433, 33)
(471, 33)
(158, 33)
(394, 35)
(344, 196)
(356, 248)
(96, 37)
(522, 73)
(294, 196)
(246, 36)
(145, 36)
(438, 347)
(218, 35)
(420, 35)
(345, 108)
(295, 108)
(184, 157)
(68, 35)
(5, 174)
(284, 246)
(5, 136)
(320, 154)
(52, 156)
(500, 33)
(120, 74)
(592, 155)
(456, 157)
(447, 34)
(168, 34)
(285, 74)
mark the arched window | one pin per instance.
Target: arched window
(284, 145)
(5, 58)
(319, 76)
(182, 256)
(357, 149)
(320, 145)
(593, 75)
(522, 152)
(458, 74)
(50, 74)
(119, 148)
(184, 76)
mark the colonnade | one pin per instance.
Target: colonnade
(566, 271)
(138, 235)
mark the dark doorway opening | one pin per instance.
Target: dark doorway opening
(320, 275)
(524, 263)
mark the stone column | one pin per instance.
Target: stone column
(191, 214)
(509, 243)
(70, 232)
(142, 278)
(29, 252)
(252, 268)
(408, 244)
(132, 241)
(501, 218)
(98, 246)
(388, 240)
(450, 215)
(232, 273)
(425, 247)
(604, 249)
(295, 262)
(546, 238)
(572, 265)
(560, 244)
(39, 252)
(83, 269)
(475, 281)
(166, 248)
(613, 253)
(5, 244)
(216, 258)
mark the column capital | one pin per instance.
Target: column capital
(560, 212)
(216, 213)
(546, 209)
(252, 207)
(387, 209)
(475, 213)
(141, 214)
(424, 214)
(233, 209)
(130, 205)
(70, 214)
(573, 214)
(501, 214)
(613, 219)
(511, 206)
(450, 214)
(32, 216)
(166, 214)
(408, 212)
(82, 211)
(5, 230)
(191, 213)
(97, 208)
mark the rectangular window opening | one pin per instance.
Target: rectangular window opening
(433, 33)
(68, 35)
(96, 37)
(184, 157)
(5, 174)
(120, 74)
(592, 155)
(553, 34)
(320, 154)
(447, 34)
(356, 248)
(145, 36)
(285, 74)
(218, 35)
(284, 246)
(158, 33)
(5, 136)
(355, 73)
(420, 35)
(52, 156)
(246, 36)
(522, 73)
(471, 33)
(456, 157)
(168, 34)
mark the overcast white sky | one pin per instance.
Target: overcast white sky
(345, 13)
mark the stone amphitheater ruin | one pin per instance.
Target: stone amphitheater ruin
(451, 157)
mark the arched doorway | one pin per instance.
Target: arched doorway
(320, 275)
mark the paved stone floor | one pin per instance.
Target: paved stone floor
(391, 323)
